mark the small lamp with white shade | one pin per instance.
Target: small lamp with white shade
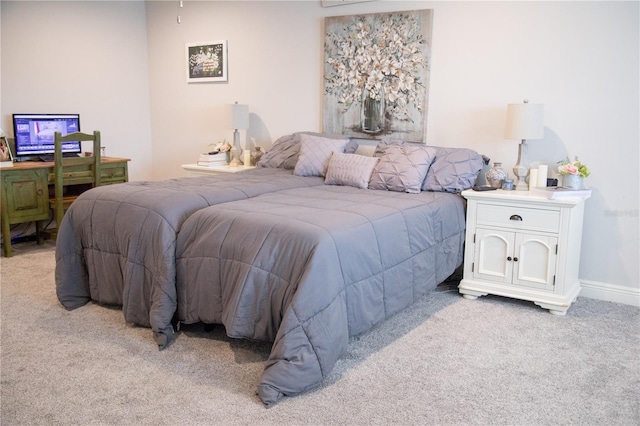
(524, 121)
(240, 121)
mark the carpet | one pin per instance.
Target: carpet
(444, 361)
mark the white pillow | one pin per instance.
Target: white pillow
(350, 170)
(315, 152)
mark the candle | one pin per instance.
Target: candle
(533, 178)
(542, 175)
(247, 157)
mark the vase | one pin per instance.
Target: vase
(372, 111)
(256, 154)
(496, 175)
(572, 182)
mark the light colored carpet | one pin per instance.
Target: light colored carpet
(446, 361)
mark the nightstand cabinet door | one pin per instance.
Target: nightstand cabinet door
(25, 196)
(515, 258)
(534, 261)
(492, 249)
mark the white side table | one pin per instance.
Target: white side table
(522, 245)
(195, 170)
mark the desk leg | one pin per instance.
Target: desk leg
(39, 235)
(6, 234)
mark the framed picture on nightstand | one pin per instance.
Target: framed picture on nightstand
(6, 157)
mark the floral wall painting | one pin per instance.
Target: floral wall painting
(376, 74)
(206, 61)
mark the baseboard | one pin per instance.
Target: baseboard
(610, 292)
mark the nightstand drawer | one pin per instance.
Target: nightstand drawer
(518, 217)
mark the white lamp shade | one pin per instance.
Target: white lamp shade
(240, 116)
(525, 121)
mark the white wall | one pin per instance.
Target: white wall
(580, 59)
(104, 76)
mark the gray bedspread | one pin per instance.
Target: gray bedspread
(116, 244)
(309, 268)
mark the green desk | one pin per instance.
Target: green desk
(27, 186)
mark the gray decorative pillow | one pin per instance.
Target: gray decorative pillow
(315, 152)
(284, 151)
(453, 170)
(350, 170)
(384, 143)
(402, 168)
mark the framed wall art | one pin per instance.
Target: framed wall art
(376, 74)
(6, 156)
(331, 3)
(206, 61)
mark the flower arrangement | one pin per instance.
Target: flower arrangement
(576, 167)
(382, 55)
(222, 146)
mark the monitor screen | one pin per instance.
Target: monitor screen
(34, 133)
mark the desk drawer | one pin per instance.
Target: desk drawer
(517, 217)
(113, 173)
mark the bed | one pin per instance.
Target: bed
(116, 244)
(310, 268)
(315, 246)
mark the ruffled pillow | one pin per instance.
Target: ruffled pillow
(453, 170)
(402, 168)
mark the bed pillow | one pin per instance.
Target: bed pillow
(350, 170)
(315, 152)
(453, 170)
(384, 143)
(284, 151)
(402, 168)
(282, 154)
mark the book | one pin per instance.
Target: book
(211, 164)
(212, 160)
(220, 156)
(556, 192)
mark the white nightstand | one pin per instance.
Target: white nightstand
(519, 244)
(195, 170)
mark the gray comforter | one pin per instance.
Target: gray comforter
(116, 244)
(310, 268)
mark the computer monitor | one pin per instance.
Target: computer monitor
(34, 133)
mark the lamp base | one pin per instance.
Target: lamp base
(235, 151)
(521, 170)
(522, 184)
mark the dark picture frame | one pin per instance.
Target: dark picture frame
(206, 61)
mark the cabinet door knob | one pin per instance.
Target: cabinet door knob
(515, 259)
(516, 217)
(509, 258)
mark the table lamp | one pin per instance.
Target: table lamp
(240, 121)
(524, 121)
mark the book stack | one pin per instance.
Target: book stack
(557, 192)
(213, 160)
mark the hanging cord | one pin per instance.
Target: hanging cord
(180, 6)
